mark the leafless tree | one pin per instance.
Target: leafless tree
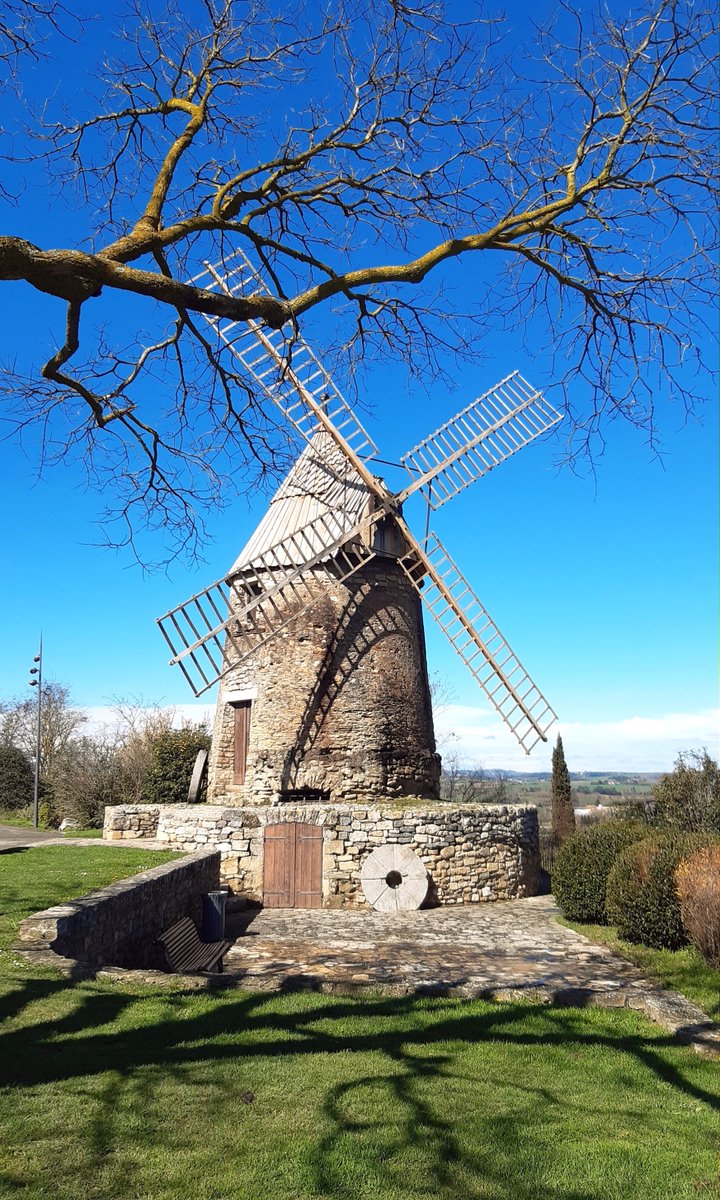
(360, 156)
(139, 724)
(60, 723)
(465, 783)
(24, 25)
(87, 776)
(442, 695)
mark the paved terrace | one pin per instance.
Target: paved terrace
(508, 950)
(504, 951)
(471, 950)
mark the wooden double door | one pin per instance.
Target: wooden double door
(292, 873)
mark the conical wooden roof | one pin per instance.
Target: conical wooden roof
(322, 489)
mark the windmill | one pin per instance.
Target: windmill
(335, 529)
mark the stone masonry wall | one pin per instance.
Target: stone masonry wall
(131, 821)
(119, 923)
(340, 698)
(472, 853)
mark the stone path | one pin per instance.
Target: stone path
(15, 837)
(508, 950)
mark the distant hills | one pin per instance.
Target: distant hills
(617, 777)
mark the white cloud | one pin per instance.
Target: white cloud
(105, 717)
(632, 744)
(477, 736)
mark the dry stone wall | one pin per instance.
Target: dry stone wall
(119, 924)
(472, 853)
(131, 821)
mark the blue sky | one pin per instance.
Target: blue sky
(605, 585)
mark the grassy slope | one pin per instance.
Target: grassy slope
(117, 1091)
(35, 878)
(21, 818)
(679, 970)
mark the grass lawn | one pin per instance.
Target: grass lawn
(22, 818)
(117, 1091)
(35, 878)
(679, 970)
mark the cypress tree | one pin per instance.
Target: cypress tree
(563, 812)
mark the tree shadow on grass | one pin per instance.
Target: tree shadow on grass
(450, 1167)
(114, 1044)
(16, 999)
(228, 1015)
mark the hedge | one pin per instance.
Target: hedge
(583, 863)
(697, 879)
(642, 896)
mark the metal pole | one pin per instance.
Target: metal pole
(38, 684)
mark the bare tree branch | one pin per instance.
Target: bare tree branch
(360, 159)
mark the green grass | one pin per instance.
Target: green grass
(678, 970)
(20, 817)
(121, 1091)
(35, 878)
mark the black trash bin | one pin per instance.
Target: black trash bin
(213, 916)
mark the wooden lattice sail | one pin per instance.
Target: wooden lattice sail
(333, 517)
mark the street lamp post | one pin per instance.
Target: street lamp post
(37, 670)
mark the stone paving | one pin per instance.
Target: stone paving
(504, 951)
(507, 950)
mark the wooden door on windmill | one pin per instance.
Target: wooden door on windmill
(293, 866)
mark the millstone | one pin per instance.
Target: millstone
(394, 879)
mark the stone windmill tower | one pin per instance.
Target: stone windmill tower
(316, 631)
(335, 703)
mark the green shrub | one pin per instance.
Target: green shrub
(642, 897)
(48, 817)
(17, 778)
(582, 865)
(688, 799)
(173, 758)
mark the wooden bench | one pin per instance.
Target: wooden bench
(186, 953)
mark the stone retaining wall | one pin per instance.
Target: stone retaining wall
(119, 923)
(472, 853)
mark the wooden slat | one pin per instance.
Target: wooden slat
(242, 739)
(205, 659)
(280, 361)
(480, 644)
(279, 866)
(484, 434)
(308, 866)
(292, 876)
(184, 950)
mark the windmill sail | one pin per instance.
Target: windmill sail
(488, 431)
(321, 513)
(206, 638)
(355, 516)
(477, 639)
(282, 364)
(322, 484)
